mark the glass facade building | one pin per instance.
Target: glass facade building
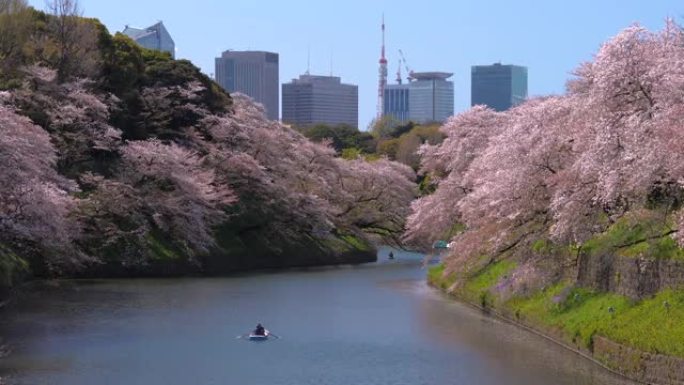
(314, 99)
(498, 86)
(397, 102)
(431, 97)
(253, 73)
(154, 37)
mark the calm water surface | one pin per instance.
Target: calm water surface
(371, 324)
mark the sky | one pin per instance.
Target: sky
(549, 37)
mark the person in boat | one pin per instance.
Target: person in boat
(259, 330)
(391, 255)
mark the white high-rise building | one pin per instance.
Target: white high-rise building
(314, 99)
(431, 97)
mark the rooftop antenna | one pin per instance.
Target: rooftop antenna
(331, 63)
(308, 60)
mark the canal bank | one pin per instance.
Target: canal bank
(539, 314)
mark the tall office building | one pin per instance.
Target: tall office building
(498, 86)
(314, 99)
(153, 37)
(396, 100)
(431, 97)
(253, 73)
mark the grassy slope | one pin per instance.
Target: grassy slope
(652, 325)
(637, 234)
(12, 267)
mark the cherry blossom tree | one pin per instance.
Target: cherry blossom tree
(200, 174)
(177, 191)
(512, 181)
(627, 99)
(568, 166)
(467, 136)
(375, 197)
(34, 199)
(311, 191)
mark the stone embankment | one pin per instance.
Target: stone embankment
(637, 278)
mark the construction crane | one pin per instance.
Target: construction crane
(408, 70)
(399, 73)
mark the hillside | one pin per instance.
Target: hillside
(120, 161)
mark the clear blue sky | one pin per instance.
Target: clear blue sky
(549, 37)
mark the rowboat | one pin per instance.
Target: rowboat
(257, 337)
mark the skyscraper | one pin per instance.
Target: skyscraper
(153, 37)
(314, 99)
(431, 97)
(253, 73)
(397, 102)
(498, 86)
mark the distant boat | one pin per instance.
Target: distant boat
(440, 245)
(258, 337)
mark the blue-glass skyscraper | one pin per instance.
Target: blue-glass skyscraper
(397, 102)
(152, 37)
(498, 86)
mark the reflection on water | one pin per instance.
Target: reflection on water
(369, 324)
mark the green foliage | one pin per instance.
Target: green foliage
(643, 233)
(159, 247)
(356, 242)
(123, 68)
(351, 153)
(18, 23)
(162, 71)
(652, 325)
(665, 247)
(428, 133)
(388, 148)
(342, 137)
(12, 266)
(437, 277)
(128, 68)
(425, 185)
(542, 246)
(402, 145)
(401, 129)
(478, 287)
(384, 127)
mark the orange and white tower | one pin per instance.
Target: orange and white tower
(382, 75)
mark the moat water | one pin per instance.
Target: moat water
(376, 323)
